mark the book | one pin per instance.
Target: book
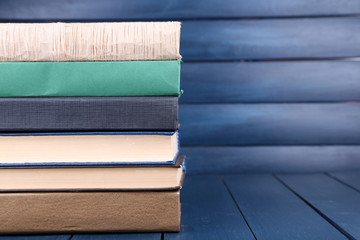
(87, 79)
(111, 41)
(88, 114)
(87, 148)
(99, 178)
(76, 212)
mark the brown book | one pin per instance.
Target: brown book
(74, 212)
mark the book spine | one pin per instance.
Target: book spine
(89, 41)
(88, 114)
(66, 212)
(77, 79)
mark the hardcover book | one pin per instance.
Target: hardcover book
(88, 114)
(87, 148)
(75, 212)
(93, 178)
(86, 79)
(122, 41)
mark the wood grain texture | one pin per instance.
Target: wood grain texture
(339, 203)
(271, 159)
(124, 236)
(350, 178)
(273, 212)
(256, 82)
(208, 212)
(270, 39)
(270, 124)
(36, 237)
(175, 9)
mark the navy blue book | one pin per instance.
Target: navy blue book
(49, 114)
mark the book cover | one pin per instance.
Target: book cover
(87, 79)
(88, 148)
(88, 114)
(109, 41)
(76, 212)
(140, 177)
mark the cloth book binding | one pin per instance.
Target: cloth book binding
(65, 79)
(88, 114)
(64, 212)
(109, 41)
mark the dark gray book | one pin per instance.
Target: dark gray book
(88, 113)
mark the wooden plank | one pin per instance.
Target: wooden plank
(36, 237)
(336, 201)
(273, 212)
(175, 9)
(208, 212)
(271, 159)
(256, 82)
(352, 179)
(270, 124)
(303, 38)
(271, 39)
(119, 236)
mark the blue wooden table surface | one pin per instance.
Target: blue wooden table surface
(258, 206)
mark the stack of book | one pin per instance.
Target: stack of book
(88, 127)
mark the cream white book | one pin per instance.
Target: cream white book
(126, 177)
(110, 41)
(87, 148)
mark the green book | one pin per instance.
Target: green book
(65, 79)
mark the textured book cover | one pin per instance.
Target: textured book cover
(88, 114)
(86, 79)
(75, 212)
(88, 148)
(122, 41)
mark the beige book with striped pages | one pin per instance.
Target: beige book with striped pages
(121, 41)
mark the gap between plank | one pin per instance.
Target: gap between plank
(237, 206)
(270, 145)
(316, 210)
(342, 182)
(182, 19)
(271, 102)
(255, 60)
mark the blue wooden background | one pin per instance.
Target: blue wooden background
(270, 85)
